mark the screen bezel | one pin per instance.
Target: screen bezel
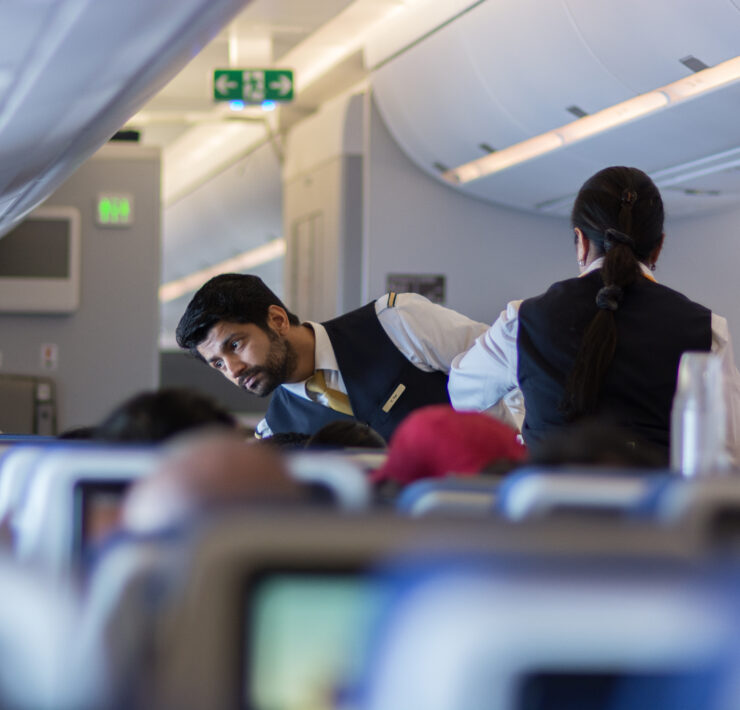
(251, 583)
(81, 493)
(20, 294)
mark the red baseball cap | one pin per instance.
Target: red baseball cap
(437, 440)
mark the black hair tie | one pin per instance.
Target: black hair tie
(614, 236)
(608, 298)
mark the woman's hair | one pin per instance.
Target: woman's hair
(620, 211)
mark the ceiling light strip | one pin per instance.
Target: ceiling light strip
(689, 87)
(241, 262)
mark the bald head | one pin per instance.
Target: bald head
(203, 472)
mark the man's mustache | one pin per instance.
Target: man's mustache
(251, 372)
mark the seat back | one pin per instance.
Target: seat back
(711, 506)
(538, 492)
(16, 471)
(41, 666)
(454, 495)
(565, 635)
(291, 598)
(128, 591)
(339, 474)
(71, 491)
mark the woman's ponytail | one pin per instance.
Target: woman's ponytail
(604, 211)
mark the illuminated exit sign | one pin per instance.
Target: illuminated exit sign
(114, 210)
(252, 86)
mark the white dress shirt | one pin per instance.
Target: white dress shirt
(427, 334)
(485, 374)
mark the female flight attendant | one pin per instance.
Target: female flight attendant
(607, 343)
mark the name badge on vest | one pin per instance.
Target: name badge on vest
(394, 398)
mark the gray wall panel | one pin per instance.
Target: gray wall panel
(107, 349)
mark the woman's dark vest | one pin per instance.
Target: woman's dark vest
(655, 325)
(373, 370)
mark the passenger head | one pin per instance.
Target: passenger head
(286, 441)
(203, 472)
(156, 416)
(619, 212)
(345, 433)
(436, 441)
(234, 298)
(599, 443)
(78, 433)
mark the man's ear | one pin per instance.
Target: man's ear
(277, 319)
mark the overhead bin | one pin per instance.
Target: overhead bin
(437, 108)
(642, 43)
(504, 71)
(530, 56)
(73, 71)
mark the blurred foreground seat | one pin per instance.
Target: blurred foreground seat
(41, 663)
(571, 636)
(579, 490)
(276, 610)
(73, 500)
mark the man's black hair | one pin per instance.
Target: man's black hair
(238, 298)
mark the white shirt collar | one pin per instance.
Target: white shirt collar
(324, 357)
(597, 264)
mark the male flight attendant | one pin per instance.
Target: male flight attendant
(375, 364)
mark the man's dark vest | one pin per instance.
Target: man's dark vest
(373, 370)
(655, 325)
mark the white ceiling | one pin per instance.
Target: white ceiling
(260, 36)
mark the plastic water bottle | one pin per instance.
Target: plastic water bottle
(698, 418)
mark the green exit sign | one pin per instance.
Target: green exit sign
(114, 210)
(253, 86)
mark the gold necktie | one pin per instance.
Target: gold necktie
(338, 401)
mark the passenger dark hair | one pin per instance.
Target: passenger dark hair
(620, 211)
(155, 416)
(599, 443)
(78, 433)
(239, 298)
(346, 433)
(286, 440)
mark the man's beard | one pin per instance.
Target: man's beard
(281, 361)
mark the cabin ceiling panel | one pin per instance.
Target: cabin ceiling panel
(529, 56)
(529, 187)
(504, 72)
(681, 134)
(434, 104)
(237, 210)
(642, 43)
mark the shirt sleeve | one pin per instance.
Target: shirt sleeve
(428, 335)
(484, 375)
(263, 430)
(722, 346)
